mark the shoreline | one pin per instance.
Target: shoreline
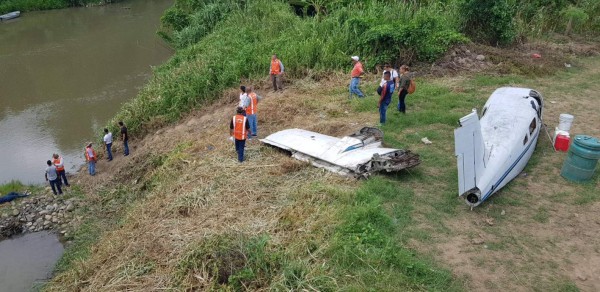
(41, 6)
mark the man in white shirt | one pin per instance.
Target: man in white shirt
(393, 75)
(52, 178)
(244, 99)
(108, 143)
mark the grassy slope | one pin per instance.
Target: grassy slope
(194, 218)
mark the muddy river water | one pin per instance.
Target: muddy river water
(65, 73)
(27, 261)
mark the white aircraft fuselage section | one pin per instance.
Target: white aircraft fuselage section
(491, 156)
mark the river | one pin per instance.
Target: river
(27, 261)
(65, 73)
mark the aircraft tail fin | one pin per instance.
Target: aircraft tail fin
(470, 154)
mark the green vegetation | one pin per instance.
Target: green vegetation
(31, 5)
(13, 186)
(325, 234)
(220, 43)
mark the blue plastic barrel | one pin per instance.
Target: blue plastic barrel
(582, 159)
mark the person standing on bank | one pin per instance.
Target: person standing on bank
(251, 110)
(386, 97)
(52, 177)
(243, 97)
(394, 75)
(276, 72)
(108, 143)
(238, 129)
(403, 88)
(60, 168)
(91, 157)
(356, 73)
(125, 138)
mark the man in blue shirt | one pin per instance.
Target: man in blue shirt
(387, 90)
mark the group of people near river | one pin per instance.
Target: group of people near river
(55, 172)
(244, 124)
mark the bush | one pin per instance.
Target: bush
(575, 18)
(221, 42)
(490, 21)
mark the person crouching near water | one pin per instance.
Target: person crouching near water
(60, 168)
(386, 97)
(90, 157)
(52, 177)
(238, 129)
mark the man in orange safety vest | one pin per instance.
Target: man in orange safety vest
(238, 129)
(276, 72)
(60, 168)
(251, 111)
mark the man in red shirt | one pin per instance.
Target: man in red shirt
(356, 74)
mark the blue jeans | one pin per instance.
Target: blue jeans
(55, 184)
(239, 148)
(92, 167)
(383, 110)
(62, 174)
(109, 150)
(126, 148)
(354, 87)
(253, 120)
(401, 97)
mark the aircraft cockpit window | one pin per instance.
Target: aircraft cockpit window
(484, 111)
(525, 140)
(532, 126)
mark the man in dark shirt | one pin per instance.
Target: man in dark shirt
(239, 128)
(125, 138)
(403, 88)
(386, 97)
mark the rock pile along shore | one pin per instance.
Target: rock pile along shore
(37, 213)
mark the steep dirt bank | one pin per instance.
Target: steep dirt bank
(185, 187)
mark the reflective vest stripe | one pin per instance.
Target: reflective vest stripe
(89, 153)
(251, 109)
(239, 127)
(59, 164)
(275, 66)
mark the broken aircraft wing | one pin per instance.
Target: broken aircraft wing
(358, 155)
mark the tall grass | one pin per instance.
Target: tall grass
(222, 43)
(12, 186)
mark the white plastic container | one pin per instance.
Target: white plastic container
(565, 122)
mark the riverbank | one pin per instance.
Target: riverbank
(183, 214)
(180, 213)
(39, 211)
(34, 5)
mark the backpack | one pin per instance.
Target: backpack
(412, 87)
